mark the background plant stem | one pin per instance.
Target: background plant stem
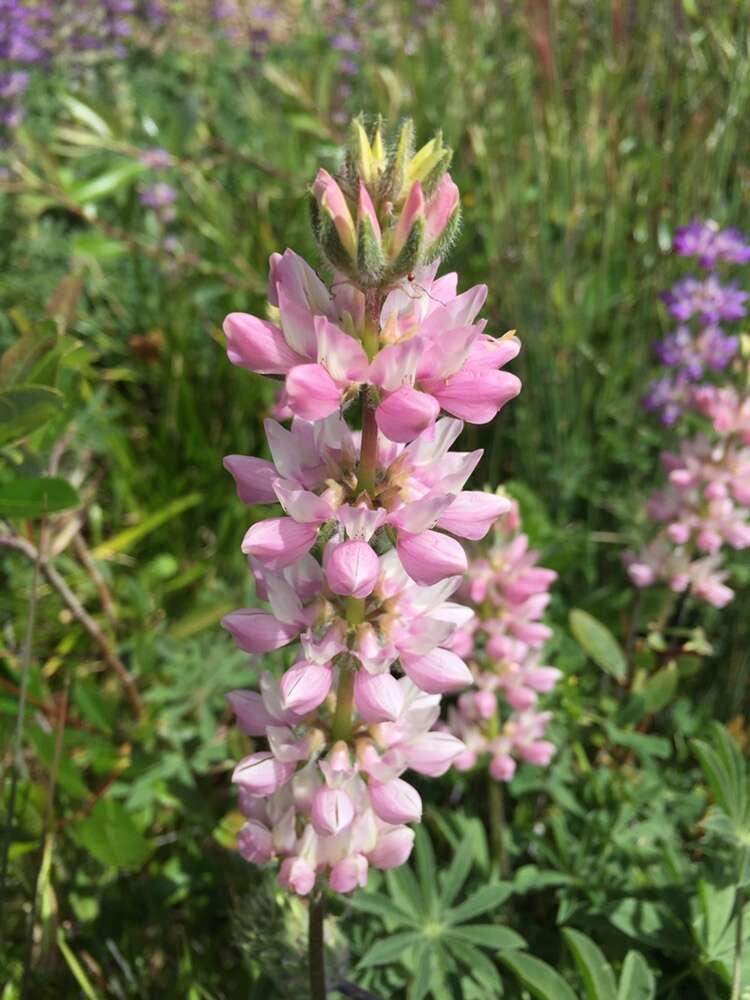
(316, 948)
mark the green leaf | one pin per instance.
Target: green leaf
(539, 978)
(426, 869)
(106, 183)
(420, 985)
(661, 688)
(596, 972)
(597, 642)
(404, 889)
(716, 904)
(380, 906)
(480, 966)
(493, 936)
(489, 897)
(75, 966)
(724, 770)
(457, 873)
(24, 408)
(637, 981)
(391, 949)
(127, 539)
(652, 923)
(86, 115)
(36, 496)
(644, 744)
(110, 834)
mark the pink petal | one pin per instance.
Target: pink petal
(349, 874)
(298, 875)
(252, 716)
(262, 774)
(305, 686)
(393, 848)
(395, 801)
(254, 842)
(410, 213)
(396, 364)
(279, 541)
(312, 392)
(406, 413)
(430, 556)
(351, 568)
(378, 697)
(440, 208)
(257, 631)
(472, 514)
(257, 345)
(476, 397)
(332, 811)
(342, 356)
(332, 201)
(295, 276)
(437, 672)
(302, 505)
(433, 753)
(366, 209)
(254, 478)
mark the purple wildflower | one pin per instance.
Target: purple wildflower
(706, 298)
(709, 243)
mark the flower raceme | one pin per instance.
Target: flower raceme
(498, 717)
(423, 350)
(705, 506)
(360, 569)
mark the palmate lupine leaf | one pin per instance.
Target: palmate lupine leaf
(637, 981)
(724, 770)
(431, 936)
(594, 969)
(540, 979)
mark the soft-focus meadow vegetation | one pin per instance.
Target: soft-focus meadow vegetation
(584, 133)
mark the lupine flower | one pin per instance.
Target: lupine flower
(705, 507)
(504, 642)
(710, 244)
(360, 570)
(699, 348)
(426, 353)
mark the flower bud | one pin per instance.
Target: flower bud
(349, 874)
(378, 697)
(332, 811)
(255, 843)
(395, 801)
(298, 875)
(305, 686)
(351, 568)
(393, 848)
(262, 774)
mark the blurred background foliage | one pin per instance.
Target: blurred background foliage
(154, 171)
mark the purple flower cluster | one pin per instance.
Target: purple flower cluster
(699, 345)
(251, 27)
(34, 34)
(705, 507)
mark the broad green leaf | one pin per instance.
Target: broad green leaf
(644, 744)
(637, 981)
(380, 906)
(457, 873)
(92, 245)
(597, 642)
(35, 497)
(106, 183)
(489, 897)
(540, 979)
(596, 972)
(110, 834)
(716, 906)
(493, 936)
(25, 408)
(390, 949)
(661, 688)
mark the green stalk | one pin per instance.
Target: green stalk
(737, 967)
(342, 719)
(368, 451)
(497, 825)
(315, 947)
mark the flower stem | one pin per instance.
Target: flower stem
(315, 947)
(368, 450)
(342, 719)
(737, 969)
(497, 825)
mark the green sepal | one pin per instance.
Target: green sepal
(445, 241)
(370, 256)
(410, 255)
